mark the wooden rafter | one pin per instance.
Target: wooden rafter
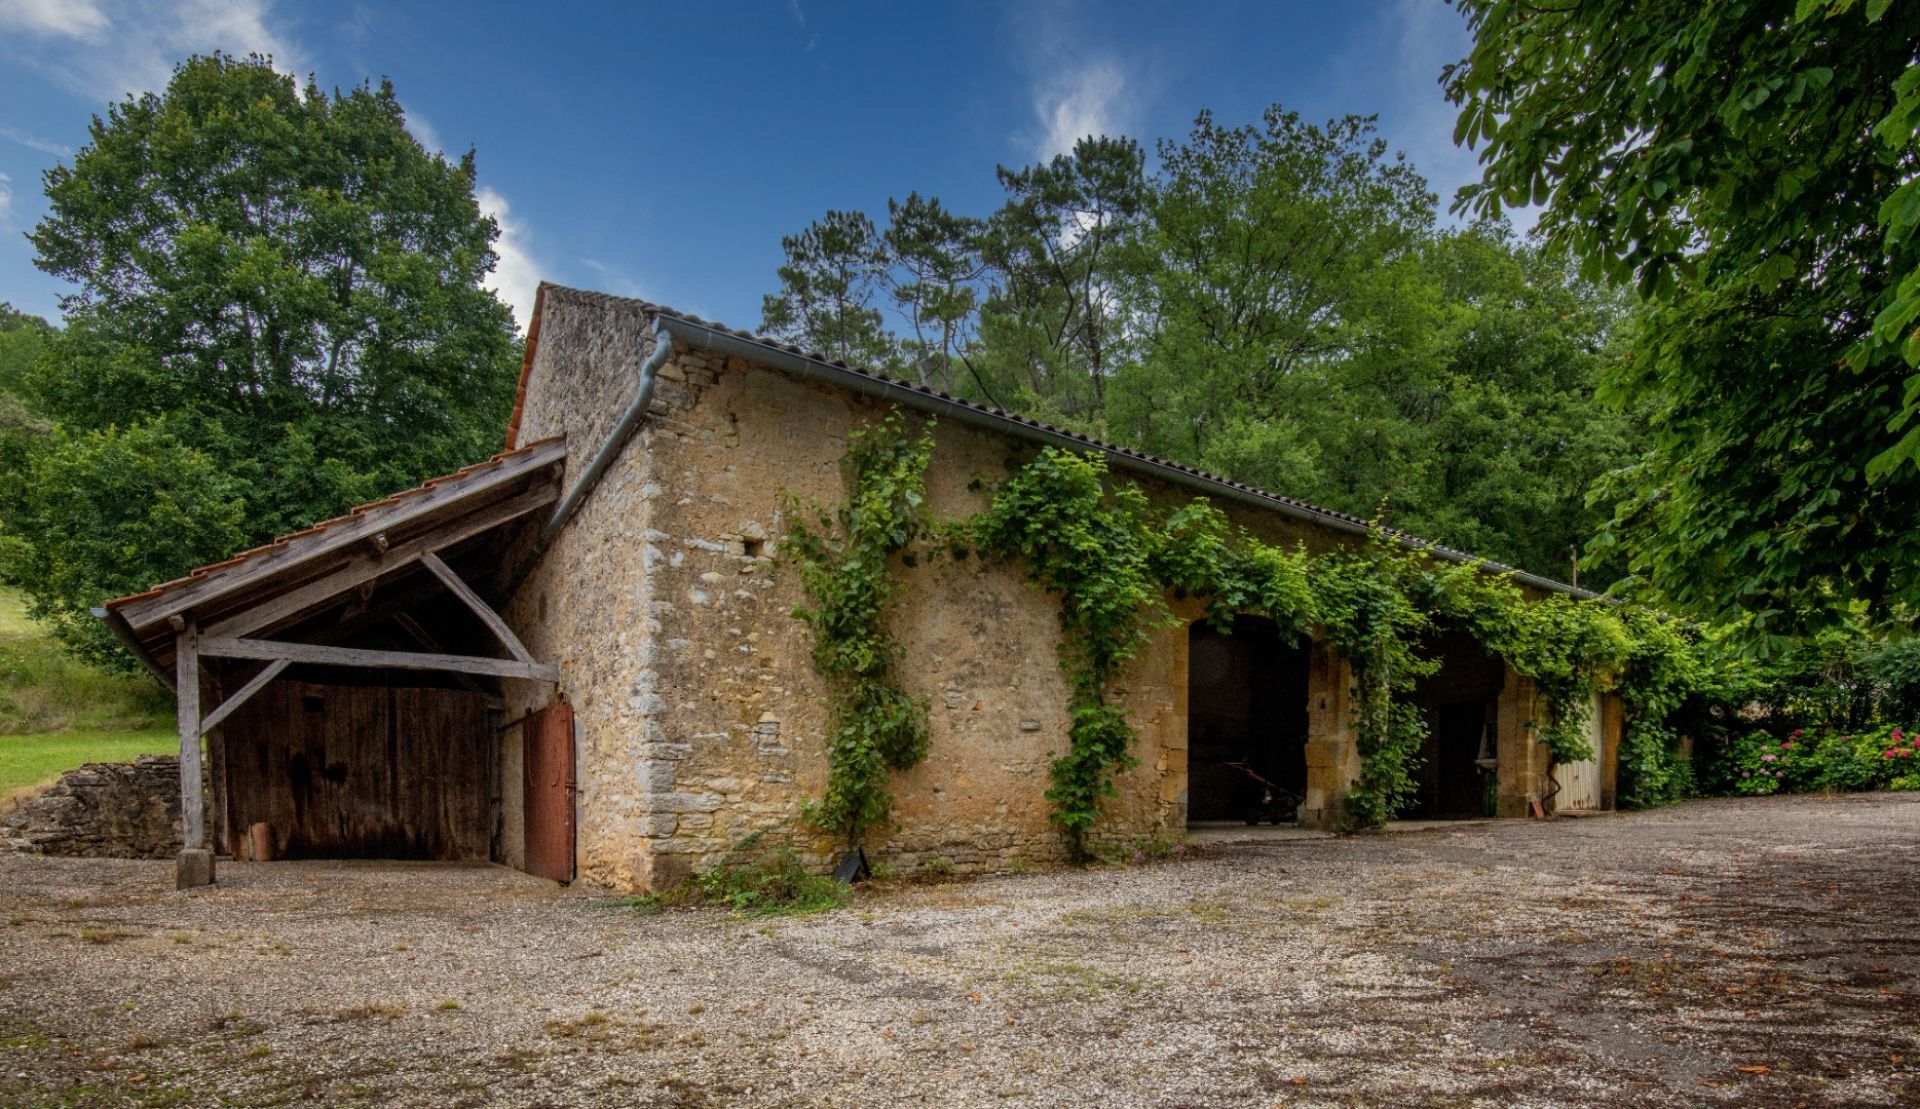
(236, 647)
(479, 607)
(240, 695)
(147, 612)
(368, 567)
(426, 639)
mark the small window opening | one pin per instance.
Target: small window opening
(755, 547)
(314, 704)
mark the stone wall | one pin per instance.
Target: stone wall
(104, 810)
(700, 718)
(585, 606)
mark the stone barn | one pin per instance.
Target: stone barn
(579, 658)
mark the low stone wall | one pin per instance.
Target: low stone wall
(125, 810)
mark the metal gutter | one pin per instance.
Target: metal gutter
(704, 337)
(623, 430)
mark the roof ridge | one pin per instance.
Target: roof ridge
(591, 296)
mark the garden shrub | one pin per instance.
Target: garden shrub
(1887, 757)
(761, 876)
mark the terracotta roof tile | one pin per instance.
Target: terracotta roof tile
(358, 510)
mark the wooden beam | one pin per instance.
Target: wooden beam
(359, 656)
(480, 608)
(366, 568)
(240, 695)
(143, 614)
(186, 662)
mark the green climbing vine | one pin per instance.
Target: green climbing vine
(1095, 550)
(1665, 670)
(846, 561)
(1112, 559)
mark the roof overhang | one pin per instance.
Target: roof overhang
(706, 335)
(278, 584)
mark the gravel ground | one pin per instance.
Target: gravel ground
(1740, 952)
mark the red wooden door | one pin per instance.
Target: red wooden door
(548, 792)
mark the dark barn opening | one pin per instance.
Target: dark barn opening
(373, 770)
(1246, 723)
(1461, 703)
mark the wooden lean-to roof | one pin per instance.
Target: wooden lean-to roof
(283, 582)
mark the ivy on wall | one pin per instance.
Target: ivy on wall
(1096, 551)
(1111, 558)
(846, 561)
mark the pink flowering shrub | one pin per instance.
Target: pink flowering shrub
(1887, 757)
(1764, 763)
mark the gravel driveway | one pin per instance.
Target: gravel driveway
(1738, 952)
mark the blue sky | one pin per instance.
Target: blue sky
(662, 150)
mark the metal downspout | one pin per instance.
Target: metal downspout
(623, 430)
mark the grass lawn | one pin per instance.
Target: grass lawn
(57, 712)
(27, 760)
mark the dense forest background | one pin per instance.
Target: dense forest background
(277, 315)
(1280, 303)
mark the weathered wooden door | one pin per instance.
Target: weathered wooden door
(1581, 786)
(548, 792)
(359, 771)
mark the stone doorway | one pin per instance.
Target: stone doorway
(1246, 723)
(1460, 703)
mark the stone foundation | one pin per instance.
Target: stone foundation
(127, 810)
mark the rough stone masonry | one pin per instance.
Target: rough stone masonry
(104, 810)
(699, 717)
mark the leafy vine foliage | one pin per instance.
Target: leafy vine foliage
(1096, 551)
(846, 564)
(1112, 559)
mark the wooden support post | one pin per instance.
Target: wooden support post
(196, 861)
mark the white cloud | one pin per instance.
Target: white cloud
(1089, 99)
(1415, 116)
(424, 132)
(6, 199)
(35, 142)
(1078, 85)
(516, 276)
(800, 21)
(67, 18)
(108, 50)
(613, 279)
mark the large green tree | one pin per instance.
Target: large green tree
(1750, 166)
(278, 307)
(833, 275)
(937, 255)
(1269, 262)
(1274, 303)
(1053, 330)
